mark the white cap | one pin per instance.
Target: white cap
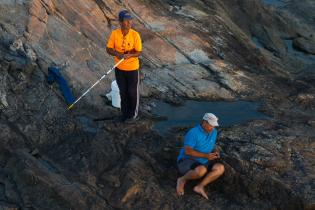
(211, 119)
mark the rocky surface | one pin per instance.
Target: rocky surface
(51, 158)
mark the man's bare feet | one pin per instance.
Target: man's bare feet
(201, 190)
(180, 186)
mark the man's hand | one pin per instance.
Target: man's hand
(210, 156)
(115, 53)
(126, 56)
(218, 153)
(123, 56)
(213, 156)
(120, 56)
(132, 54)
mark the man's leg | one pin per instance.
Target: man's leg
(133, 93)
(216, 171)
(196, 173)
(122, 84)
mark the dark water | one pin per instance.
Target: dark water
(229, 113)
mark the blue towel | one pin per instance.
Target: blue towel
(55, 75)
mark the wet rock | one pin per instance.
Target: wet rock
(306, 45)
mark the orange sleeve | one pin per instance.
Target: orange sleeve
(111, 41)
(138, 43)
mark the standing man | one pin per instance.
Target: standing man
(125, 43)
(197, 157)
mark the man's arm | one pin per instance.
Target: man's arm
(191, 152)
(119, 55)
(132, 53)
(113, 52)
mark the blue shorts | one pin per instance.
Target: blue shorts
(186, 164)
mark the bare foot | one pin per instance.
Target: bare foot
(201, 190)
(180, 186)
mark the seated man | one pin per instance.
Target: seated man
(197, 157)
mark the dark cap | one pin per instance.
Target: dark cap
(124, 15)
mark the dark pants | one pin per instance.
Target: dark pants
(187, 164)
(128, 83)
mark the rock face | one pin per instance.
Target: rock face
(51, 158)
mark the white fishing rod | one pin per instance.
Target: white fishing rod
(95, 84)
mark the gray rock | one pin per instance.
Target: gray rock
(306, 45)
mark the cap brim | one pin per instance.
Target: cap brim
(214, 124)
(127, 17)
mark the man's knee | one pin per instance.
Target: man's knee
(219, 168)
(201, 170)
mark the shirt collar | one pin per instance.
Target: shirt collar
(203, 131)
(122, 32)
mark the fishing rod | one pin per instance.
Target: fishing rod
(88, 90)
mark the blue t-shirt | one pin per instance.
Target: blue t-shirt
(200, 141)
